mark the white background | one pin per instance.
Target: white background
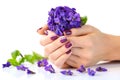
(19, 20)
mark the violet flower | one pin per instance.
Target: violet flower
(81, 69)
(101, 69)
(50, 68)
(21, 67)
(30, 72)
(6, 65)
(91, 72)
(67, 72)
(43, 62)
(63, 18)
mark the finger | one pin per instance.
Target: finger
(74, 61)
(79, 41)
(65, 66)
(79, 58)
(48, 39)
(81, 53)
(74, 58)
(77, 51)
(56, 44)
(59, 52)
(42, 30)
(61, 60)
(76, 65)
(83, 30)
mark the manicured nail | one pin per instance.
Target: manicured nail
(68, 52)
(63, 39)
(39, 29)
(68, 32)
(46, 32)
(54, 38)
(68, 44)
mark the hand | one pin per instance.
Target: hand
(51, 43)
(89, 46)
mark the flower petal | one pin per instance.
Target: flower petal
(63, 18)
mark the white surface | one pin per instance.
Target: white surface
(113, 73)
(19, 20)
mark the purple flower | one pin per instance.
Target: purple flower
(91, 72)
(101, 69)
(6, 65)
(30, 72)
(63, 18)
(43, 62)
(81, 69)
(21, 67)
(50, 68)
(67, 72)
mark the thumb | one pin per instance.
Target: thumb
(83, 30)
(42, 30)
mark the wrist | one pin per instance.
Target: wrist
(113, 47)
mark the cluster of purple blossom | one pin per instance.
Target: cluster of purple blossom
(63, 18)
(44, 63)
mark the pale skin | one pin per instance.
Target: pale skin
(89, 46)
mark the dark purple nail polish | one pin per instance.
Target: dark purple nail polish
(63, 39)
(68, 32)
(68, 52)
(54, 38)
(67, 45)
(46, 32)
(39, 29)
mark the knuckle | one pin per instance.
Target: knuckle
(51, 57)
(46, 50)
(62, 50)
(74, 31)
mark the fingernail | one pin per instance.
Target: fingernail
(68, 44)
(68, 52)
(46, 32)
(54, 38)
(63, 39)
(68, 32)
(39, 29)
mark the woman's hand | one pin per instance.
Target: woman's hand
(57, 49)
(89, 46)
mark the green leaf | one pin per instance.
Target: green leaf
(37, 56)
(13, 62)
(15, 53)
(84, 20)
(22, 60)
(30, 58)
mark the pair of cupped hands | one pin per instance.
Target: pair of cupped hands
(79, 46)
